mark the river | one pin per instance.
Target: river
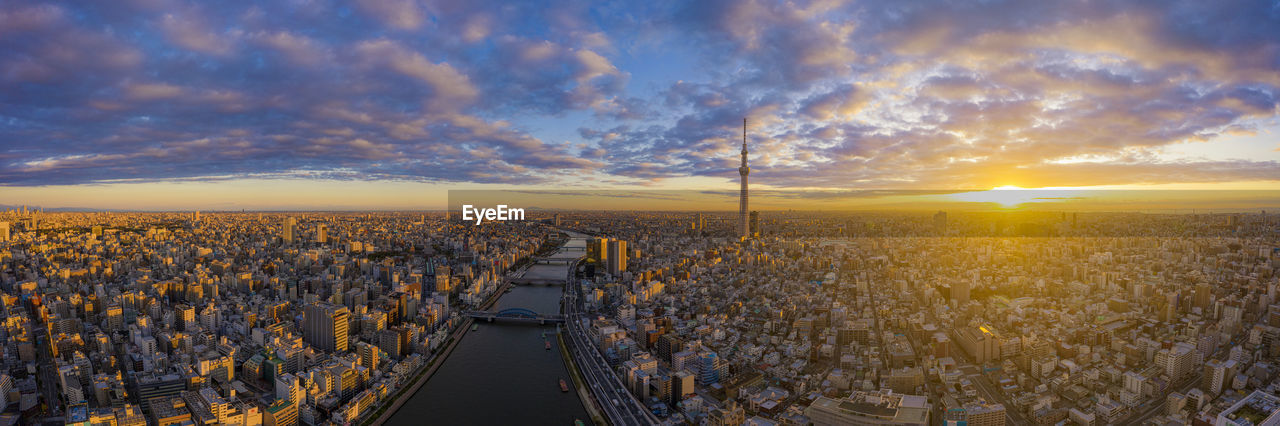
(502, 374)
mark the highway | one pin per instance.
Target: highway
(606, 388)
(47, 376)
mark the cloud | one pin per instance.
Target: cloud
(194, 35)
(297, 48)
(842, 95)
(152, 91)
(43, 46)
(449, 87)
(892, 94)
(396, 14)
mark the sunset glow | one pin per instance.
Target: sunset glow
(385, 95)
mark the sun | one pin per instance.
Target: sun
(1006, 196)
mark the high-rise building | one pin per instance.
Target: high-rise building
(597, 250)
(444, 279)
(114, 318)
(743, 170)
(1217, 374)
(979, 342)
(6, 385)
(186, 317)
(960, 292)
(322, 234)
(326, 327)
(1176, 361)
(286, 229)
(617, 257)
(288, 388)
(369, 355)
(709, 368)
(668, 345)
(4, 231)
(681, 385)
(392, 341)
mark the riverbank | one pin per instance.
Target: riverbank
(585, 395)
(487, 366)
(383, 414)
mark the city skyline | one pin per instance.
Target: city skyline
(496, 212)
(1003, 199)
(327, 106)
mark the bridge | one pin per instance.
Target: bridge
(515, 314)
(554, 260)
(535, 281)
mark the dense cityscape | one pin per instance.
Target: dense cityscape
(332, 318)
(640, 213)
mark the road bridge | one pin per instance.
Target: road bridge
(515, 314)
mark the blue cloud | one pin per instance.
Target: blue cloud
(840, 94)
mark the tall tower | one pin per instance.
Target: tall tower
(286, 231)
(743, 227)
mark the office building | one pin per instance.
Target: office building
(280, 413)
(286, 229)
(960, 292)
(598, 250)
(617, 257)
(1217, 375)
(326, 327)
(979, 342)
(870, 408)
(669, 345)
(1257, 409)
(985, 414)
(1177, 361)
(167, 411)
(129, 415)
(682, 383)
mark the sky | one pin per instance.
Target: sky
(389, 104)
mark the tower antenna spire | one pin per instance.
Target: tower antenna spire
(743, 170)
